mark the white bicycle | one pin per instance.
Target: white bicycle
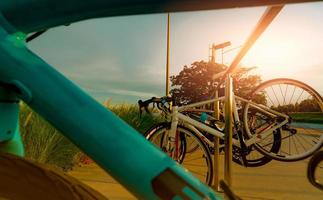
(271, 124)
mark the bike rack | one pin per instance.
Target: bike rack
(268, 16)
(228, 131)
(228, 137)
(216, 158)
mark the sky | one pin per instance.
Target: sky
(124, 58)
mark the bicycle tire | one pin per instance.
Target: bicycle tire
(313, 166)
(21, 179)
(297, 140)
(203, 171)
(183, 147)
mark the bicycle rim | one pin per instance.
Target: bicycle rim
(198, 162)
(301, 136)
(315, 170)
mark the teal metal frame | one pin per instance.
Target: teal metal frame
(9, 122)
(97, 131)
(94, 129)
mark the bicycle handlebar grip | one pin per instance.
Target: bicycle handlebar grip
(144, 104)
(159, 101)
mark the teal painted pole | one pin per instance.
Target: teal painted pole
(10, 140)
(14, 145)
(112, 143)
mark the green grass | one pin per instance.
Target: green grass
(130, 114)
(308, 117)
(43, 143)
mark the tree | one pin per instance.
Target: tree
(306, 105)
(195, 83)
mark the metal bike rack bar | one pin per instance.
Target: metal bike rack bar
(228, 131)
(216, 160)
(268, 16)
(167, 55)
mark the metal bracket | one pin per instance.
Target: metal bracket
(8, 114)
(10, 140)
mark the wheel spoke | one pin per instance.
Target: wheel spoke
(292, 95)
(285, 93)
(281, 92)
(275, 95)
(299, 96)
(296, 136)
(270, 99)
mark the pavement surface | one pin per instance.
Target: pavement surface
(274, 181)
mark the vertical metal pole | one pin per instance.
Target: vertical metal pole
(222, 55)
(228, 131)
(212, 54)
(216, 160)
(167, 56)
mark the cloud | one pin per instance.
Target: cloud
(132, 93)
(119, 95)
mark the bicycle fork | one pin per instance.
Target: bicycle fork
(172, 147)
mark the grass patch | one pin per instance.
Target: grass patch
(43, 143)
(130, 114)
(309, 117)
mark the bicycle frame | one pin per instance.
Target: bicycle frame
(194, 124)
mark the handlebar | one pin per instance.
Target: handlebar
(162, 104)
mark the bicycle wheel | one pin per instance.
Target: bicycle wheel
(301, 136)
(21, 179)
(315, 170)
(198, 162)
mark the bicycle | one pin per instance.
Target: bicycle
(315, 169)
(265, 127)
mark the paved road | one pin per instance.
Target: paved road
(95, 177)
(275, 181)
